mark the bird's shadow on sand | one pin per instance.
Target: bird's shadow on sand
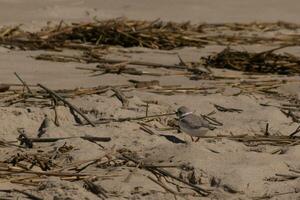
(173, 139)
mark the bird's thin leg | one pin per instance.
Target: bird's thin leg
(198, 138)
(192, 138)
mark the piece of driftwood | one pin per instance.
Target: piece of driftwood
(52, 93)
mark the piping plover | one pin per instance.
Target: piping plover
(191, 124)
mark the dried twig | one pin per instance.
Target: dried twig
(27, 194)
(90, 138)
(96, 189)
(154, 170)
(295, 132)
(163, 186)
(290, 113)
(212, 120)
(223, 109)
(49, 173)
(108, 120)
(288, 176)
(121, 97)
(23, 82)
(67, 103)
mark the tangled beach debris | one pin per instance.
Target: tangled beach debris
(123, 140)
(151, 34)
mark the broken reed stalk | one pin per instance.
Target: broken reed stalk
(45, 140)
(44, 173)
(295, 132)
(26, 183)
(98, 59)
(30, 196)
(108, 120)
(121, 97)
(246, 138)
(294, 170)
(52, 93)
(155, 171)
(23, 82)
(163, 186)
(56, 121)
(89, 138)
(96, 189)
(142, 63)
(169, 189)
(288, 176)
(224, 109)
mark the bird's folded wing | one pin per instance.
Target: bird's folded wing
(195, 122)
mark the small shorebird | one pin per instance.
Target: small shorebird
(191, 124)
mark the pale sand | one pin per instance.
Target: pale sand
(240, 167)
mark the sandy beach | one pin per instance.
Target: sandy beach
(128, 150)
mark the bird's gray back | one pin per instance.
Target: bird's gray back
(196, 122)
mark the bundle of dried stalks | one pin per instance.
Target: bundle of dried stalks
(263, 62)
(152, 34)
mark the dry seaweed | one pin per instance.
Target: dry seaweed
(151, 34)
(263, 62)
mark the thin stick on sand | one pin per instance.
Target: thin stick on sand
(23, 82)
(30, 196)
(89, 138)
(155, 170)
(52, 93)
